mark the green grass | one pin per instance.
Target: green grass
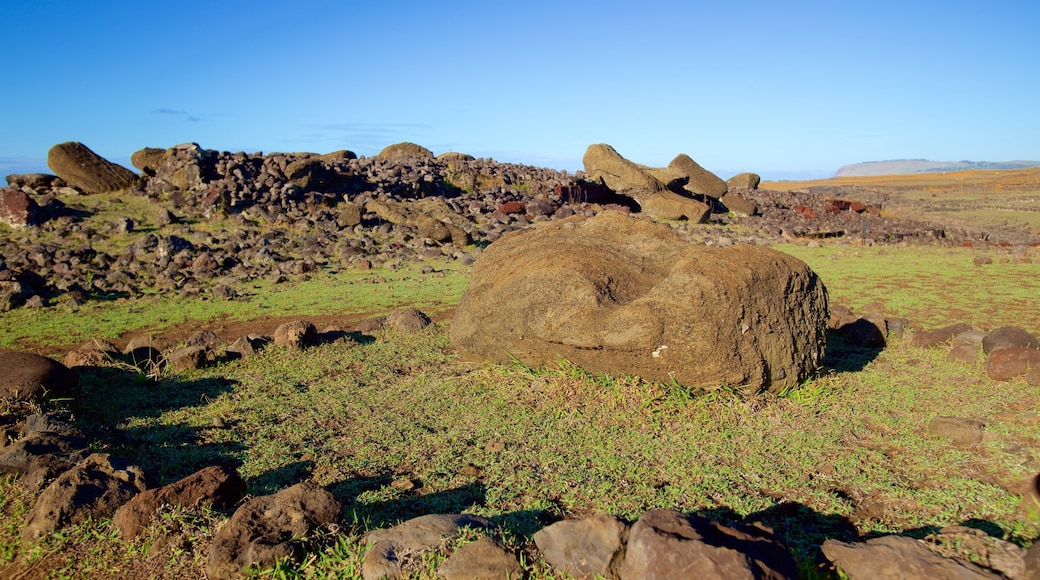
(847, 455)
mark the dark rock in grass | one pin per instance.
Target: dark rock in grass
(223, 292)
(52, 422)
(370, 325)
(897, 327)
(297, 334)
(1008, 337)
(933, 338)
(247, 346)
(386, 547)
(957, 429)
(13, 293)
(216, 486)
(864, 334)
(94, 488)
(667, 544)
(189, 358)
(91, 354)
(27, 377)
(407, 320)
(897, 558)
(963, 353)
(266, 529)
(480, 559)
(19, 456)
(204, 338)
(586, 548)
(972, 337)
(144, 351)
(1010, 363)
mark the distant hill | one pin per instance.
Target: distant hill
(900, 166)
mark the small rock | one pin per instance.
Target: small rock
(297, 334)
(422, 533)
(584, 548)
(932, 338)
(963, 353)
(407, 320)
(483, 560)
(957, 429)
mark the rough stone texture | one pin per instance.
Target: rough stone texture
(403, 150)
(247, 346)
(386, 547)
(87, 171)
(27, 376)
(897, 558)
(407, 320)
(1009, 363)
(738, 205)
(480, 560)
(932, 338)
(297, 334)
(41, 456)
(617, 294)
(1008, 337)
(216, 486)
(33, 180)
(265, 529)
(94, 488)
(148, 160)
(1032, 563)
(17, 209)
(584, 548)
(667, 544)
(978, 547)
(605, 165)
(1033, 377)
(13, 294)
(964, 353)
(189, 358)
(701, 181)
(667, 205)
(744, 181)
(957, 429)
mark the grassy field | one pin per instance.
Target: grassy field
(397, 426)
(844, 456)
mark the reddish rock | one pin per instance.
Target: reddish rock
(17, 209)
(215, 486)
(27, 376)
(511, 207)
(1008, 337)
(930, 338)
(805, 212)
(1009, 363)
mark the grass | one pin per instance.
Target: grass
(846, 455)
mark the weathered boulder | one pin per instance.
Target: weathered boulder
(740, 206)
(605, 165)
(148, 160)
(14, 293)
(1008, 337)
(404, 150)
(701, 181)
(932, 338)
(1009, 363)
(383, 558)
(33, 181)
(87, 171)
(216, 486)
(587, 548)
(189, 358)
(743, 181)
(667, 544)
(454, 156)
(18, 209)
(247, 346)
(268, 528)
(27, 376)
(897, 557)
(482, 559)
(407, 320)
(297, 334)
(668, 205)
(94, 488)
(618, 294)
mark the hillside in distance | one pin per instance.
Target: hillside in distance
(903, 166)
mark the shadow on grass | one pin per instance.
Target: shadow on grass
(844, 356)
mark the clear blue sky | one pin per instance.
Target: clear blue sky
(784, 89)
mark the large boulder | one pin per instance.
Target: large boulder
(28, 376)
(618, 294)
(87, 171)
(148, 160)
(403, 151)
(744, 181)
(701, 181)
(17, 209)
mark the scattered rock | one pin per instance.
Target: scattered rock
(1009, 363)
(297, 334)
(94, 488)
(87, 171)
(268, 528)
(739, 205)
(483, 560)
(933, 338)
(964, 353)
(189, 358)
(216, 486)
(27, 377)
(667, 544)
(387, 547)
(896, 558)
(701, 181)
(743, 181)
(17, 209)
(586, 548)
(247, 346)
(407, 320)
(957, 429)
(404, 150)
(1008, 337)
(617, 294)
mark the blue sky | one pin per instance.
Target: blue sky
(784, 89)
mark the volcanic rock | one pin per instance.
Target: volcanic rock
(386, 546)
(896, 558)
(216, 486)
(26, 376)
(404, 150)
(87, 171)
(17, 209)
(585, 548)
(1008, 337)
(701, 181)
(297, 334)
(480, 559)
(617, 294)
(743, 181)
(1009, 363)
